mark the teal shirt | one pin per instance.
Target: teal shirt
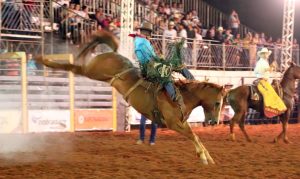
(143, 50)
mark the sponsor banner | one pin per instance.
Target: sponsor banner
(49, 121)
(93, 119)
(10, 121)
(197, 115)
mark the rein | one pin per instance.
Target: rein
(118, 76)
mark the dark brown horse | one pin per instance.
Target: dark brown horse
(120, 73)
(240, 100)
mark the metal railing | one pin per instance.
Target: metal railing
(210, 15)
(211, 55)
(113, 8)
(71, 24)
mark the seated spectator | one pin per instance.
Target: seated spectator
(114, 29)
(99, 17)
(210, 34)
(198, 34)
(228, 37)
(219, 35)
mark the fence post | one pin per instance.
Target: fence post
(209, 53)
(163, 46)
(24, 90)
(72, 95)
(223, 56)
(114, 106)
(194, 54)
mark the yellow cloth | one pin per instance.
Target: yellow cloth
(273, 105)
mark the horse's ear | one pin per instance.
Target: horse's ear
(291, 63)
(223, 89)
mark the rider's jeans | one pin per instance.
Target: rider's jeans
(170, 90)
(187, 74)
(143, 128)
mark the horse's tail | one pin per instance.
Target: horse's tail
(101, 37)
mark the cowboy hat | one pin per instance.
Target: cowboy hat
(264, 50)
(171, 23)
(146, 26)
(220, 28)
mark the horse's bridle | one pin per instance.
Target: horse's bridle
(118, 76)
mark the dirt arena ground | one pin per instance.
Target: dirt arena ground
(115, 155)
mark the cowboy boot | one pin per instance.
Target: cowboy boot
(180, 102)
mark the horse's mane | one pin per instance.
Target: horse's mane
(188, 85)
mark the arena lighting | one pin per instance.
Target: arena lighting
(287, 32)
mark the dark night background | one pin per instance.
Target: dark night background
(260, 15)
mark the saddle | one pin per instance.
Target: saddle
(255, 94)
(154, 88)
(271, 97)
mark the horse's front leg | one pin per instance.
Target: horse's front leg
(284, 120)
(185, 129)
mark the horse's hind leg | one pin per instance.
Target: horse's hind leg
(66, 67)
(185, 129)
(242, 127)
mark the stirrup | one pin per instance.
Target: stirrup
(255, 97)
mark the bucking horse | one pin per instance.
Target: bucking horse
(120, 73)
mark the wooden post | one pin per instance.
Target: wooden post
(72, 95)
(114, 106)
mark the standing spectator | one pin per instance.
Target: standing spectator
(84, 13)
(143, 129)
(31, 65)
(262, 39)
(170, 32)
(234, 22)
(298, 102)
(174, 9)
(167, 10)
(180, 7)
(183, 34)
(190, 33)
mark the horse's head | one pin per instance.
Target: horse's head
(210, 97)
(293, 71)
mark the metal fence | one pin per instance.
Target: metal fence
(211, 55)
(72, 25)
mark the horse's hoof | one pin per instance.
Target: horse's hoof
(287, 141)
(249, 140)
(275, 140)
(205, 162)
(232, 137)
